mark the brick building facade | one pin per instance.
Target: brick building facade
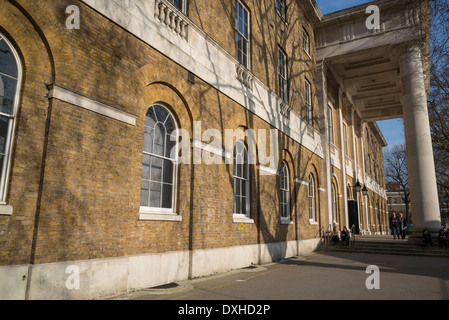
(87, 185)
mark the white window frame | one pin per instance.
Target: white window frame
(306, 41)
(282, 75)
(241, 180)
(158, 213)
(6, 168)
(312, 203)
(308, 100)
(247, 63)
(284, 192)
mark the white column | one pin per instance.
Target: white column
(421, 166)
(323, 102)
(343, 159)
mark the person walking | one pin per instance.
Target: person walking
(395, 225)
(402, 225)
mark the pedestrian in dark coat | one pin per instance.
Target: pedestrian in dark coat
(395, 225)
(427, 238)
(402, 226)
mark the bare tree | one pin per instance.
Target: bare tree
(438, 100)
(396, 171)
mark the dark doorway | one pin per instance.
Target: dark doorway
(353, 215)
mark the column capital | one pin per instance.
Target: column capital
(410, 50)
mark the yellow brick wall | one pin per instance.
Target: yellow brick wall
(75, 182)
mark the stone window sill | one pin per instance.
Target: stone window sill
(238, 218)
(160, 217)
(6, 210)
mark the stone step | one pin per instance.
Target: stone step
(404, 248)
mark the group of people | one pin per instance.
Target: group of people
(398, 226)
(338, 235)
(442, 240)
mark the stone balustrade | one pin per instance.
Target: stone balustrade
(167, 14)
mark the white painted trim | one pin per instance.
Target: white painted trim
(57, 92)
(321, 189)
(240, 218)
(304, 183)
(265, 170)
(197, 144)
(160, 217)
(286, 221)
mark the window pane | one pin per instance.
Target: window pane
(144, 193)
(245, 170)
(237, 187)
(156, 169)
(170, 146)
(244, 188)
(240, 203)
(236, 204)
(7, 61)
(159, 140)
(148, 140)
(7, 94)
(155, 195)
(150, 119)
(168, 172)
(170, 125)
(161, 114)
(167, 197)
(241, 34)
(146, 167)
(4, 125)
(305, 41)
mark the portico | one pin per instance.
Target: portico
(384, 74)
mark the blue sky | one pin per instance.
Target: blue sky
(327, 6)
(393, 130)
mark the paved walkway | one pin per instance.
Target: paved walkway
(319, 276)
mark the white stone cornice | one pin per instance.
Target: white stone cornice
(62, 94)
(197, 144)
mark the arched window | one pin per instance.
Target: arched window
(284, 195)
(312, 215)
(241, 180)
(10, 78)
(158, 188)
